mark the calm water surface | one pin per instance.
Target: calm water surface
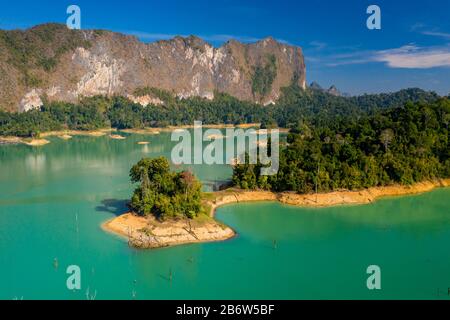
(53, 200)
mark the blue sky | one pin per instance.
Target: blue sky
(412, 49)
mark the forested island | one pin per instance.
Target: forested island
(163, 193)
(167, 208)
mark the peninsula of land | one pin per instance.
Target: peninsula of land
(147, 232)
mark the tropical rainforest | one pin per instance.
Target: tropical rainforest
(402, 145)
(163, 193)
(294, 106)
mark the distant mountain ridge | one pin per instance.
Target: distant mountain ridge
(332, 90)
(51, 62)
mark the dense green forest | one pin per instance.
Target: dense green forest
(402, 145)
(295, 106)
(163, 193)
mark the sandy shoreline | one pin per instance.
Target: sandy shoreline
(89, 133)
(63, 134)
(330, 199)
(148, 233)
(28, 141)
(68, 134)
(205, 126)
(117, 137)
(36, 142)
(134, 228)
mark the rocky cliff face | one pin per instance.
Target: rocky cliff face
(54, 63)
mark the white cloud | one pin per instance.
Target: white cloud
(409, 56)
(437, 34)
(318, 45)
(417, 26)
(428, 31)
(406, 57)
(413, 57)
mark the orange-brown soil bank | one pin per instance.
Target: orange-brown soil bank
(343, 197)
(147, 233)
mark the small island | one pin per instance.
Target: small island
(167, 208)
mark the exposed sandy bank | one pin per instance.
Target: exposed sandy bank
(361, 197)
(36, 142)
(205, 126)
(26, 141)
(10, 140)
(117, 137)
(152, 131)
(66, 133)
(343, 197)
(148, 233)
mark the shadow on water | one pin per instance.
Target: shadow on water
(114, 206)
(217, 185)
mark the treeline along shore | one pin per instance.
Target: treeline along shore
(295, 104)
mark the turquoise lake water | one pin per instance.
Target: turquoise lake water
(53, 200)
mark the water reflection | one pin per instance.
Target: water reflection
(35, 162)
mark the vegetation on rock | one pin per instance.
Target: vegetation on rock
(264, 76)
(40, 47)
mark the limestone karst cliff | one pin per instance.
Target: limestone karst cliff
(51, 62)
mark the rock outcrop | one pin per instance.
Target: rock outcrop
(332, 90)
(62, 64)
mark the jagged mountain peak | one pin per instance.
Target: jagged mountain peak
(315, 86)
(332, 90)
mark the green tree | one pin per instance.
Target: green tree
(163, 193)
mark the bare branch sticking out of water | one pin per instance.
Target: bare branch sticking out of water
(90, 296)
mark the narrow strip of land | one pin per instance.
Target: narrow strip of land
(342, 197)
